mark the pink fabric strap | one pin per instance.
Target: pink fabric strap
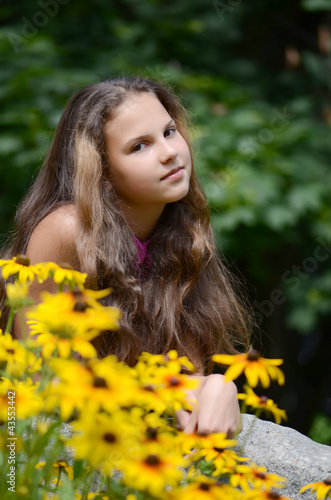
(143, 254)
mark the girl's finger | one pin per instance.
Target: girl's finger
(182, 417)
(192, 423)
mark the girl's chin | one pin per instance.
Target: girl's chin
(179, 195)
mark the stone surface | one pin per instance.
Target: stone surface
(285, 452)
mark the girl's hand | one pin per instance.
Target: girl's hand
(215, 408)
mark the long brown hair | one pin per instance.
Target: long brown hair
(187, 302)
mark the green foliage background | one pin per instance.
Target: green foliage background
(256, 76)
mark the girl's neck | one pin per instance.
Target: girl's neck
(142, 220)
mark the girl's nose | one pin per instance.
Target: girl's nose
(168, 152)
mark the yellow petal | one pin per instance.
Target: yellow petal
(64, 348)
(275, 362)
(48, 350)
(234, 371)
(66, 408)
(85, 349)
(224, 359)
(251, 375)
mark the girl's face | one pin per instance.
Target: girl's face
(143, 148)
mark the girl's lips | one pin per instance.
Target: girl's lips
(176, 173)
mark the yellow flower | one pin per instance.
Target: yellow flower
(65, 346)
(171, 358)
(218, 452)
(160, 378)
(247, 475)
(153, 471)
(71, 315)
(223, 459)
(172, 388)
(23, 398)
(205, 488)
(59, 467)
(253, 366)
(61, 274)
(17, 294)
(99, 384)
(239, 476)
(18, 359)
(42, 427)
(264, 495)
(261, 478)
(106, 441)
(205, 445)
(157, 437)
(91, 496)
(263, 403)
(75, 313)
(20, 266)
(322, 488)
(49, 495)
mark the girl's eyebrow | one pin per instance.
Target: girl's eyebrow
(140, 137)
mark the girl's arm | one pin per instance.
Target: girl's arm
(216, 408)
(53, 240)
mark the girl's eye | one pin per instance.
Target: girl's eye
(170, 131)
(138, 147)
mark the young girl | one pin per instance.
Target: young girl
(117, 198)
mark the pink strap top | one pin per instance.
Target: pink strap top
(144, 259)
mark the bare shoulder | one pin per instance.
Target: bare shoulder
(54, 238)
(62, 220)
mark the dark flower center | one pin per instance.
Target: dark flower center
(109, 437)
(99, 382)
(260, 475)
(23, 260)
(253, 355)
(204, 487)
(77, 293)
(152, 460)
(263, 399)
(327, 482)
(151, 432)
(10, 351)
(174, 381)
(219, 450)
(149, 388)
(273, 495)
(80, 306)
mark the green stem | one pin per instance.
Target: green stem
(10, 319)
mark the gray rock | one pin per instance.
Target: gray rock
(285, 452)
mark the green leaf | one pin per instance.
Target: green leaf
(316, 4)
